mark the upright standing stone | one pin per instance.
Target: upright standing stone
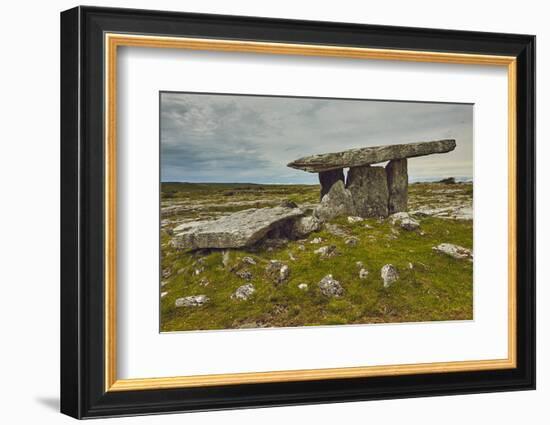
(337, 202)
(369, 190)
(398, 181)
(328, 178)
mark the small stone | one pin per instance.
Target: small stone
(303, 286)
(301, 247)
(359, 264)
(277, 271)
(330, 287)
(249, 260)
(204, 282)
(411, 266)
(368, 226)
(455, 251)
(243, 292)
(192, 301)
(354, 219)
(198, 271)
(163, 282)
(352, 241)
(363, 273)
(316, 240)
(181, 271)
(166, 273)
(163, 294)
(389, 274)
(326, 251)
(405, 221)
(244, 274)
(291, 256)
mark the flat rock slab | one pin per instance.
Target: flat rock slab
(243, 228)
(371, 155)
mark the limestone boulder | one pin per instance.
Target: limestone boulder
(330, 287)
(242, 228)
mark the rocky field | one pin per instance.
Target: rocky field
(409, 267)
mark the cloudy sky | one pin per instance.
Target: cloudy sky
(235, 138)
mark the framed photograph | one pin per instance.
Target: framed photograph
(261, 212)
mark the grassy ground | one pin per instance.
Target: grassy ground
(431, 286)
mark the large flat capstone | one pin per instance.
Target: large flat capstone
(365, 156)
(243, 228)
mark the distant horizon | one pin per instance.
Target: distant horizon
(460, 179)
(220, 138)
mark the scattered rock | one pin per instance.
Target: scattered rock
(301, 247)
(291, 256)
(242, 228)
(303, 226)
(192, 301)
(166, 273)
(337, 202)
(359, 264)
(327, 251)
(244, 274)
(303, 286)
(277, 271)
(411, 266)
(243, 292)
(389, 274)
(353, 241)
(181, 271)
(198, 271)
(354, 219)
(455, 251)
(163, 294)
(204, 282)
(316, 241)
(405, 221)
(249, 260)
(330, 287)
(163, 282)
(368, 226)
(363, 273)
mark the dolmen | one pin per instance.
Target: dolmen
(368, 191)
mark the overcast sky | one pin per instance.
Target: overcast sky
(234, 138)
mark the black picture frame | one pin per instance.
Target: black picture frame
(82, 212)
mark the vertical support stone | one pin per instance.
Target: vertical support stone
(398, 184)
(328, 178)
(369, 190)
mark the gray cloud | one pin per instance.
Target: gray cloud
(232, 138)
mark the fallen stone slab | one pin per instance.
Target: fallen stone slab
(243, 228)
(371, 155)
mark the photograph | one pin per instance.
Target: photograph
(279, 211)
